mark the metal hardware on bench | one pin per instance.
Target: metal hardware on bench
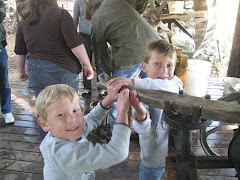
(184, 121)
(185, 161)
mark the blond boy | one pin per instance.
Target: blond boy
(159, 64)
(66, 151)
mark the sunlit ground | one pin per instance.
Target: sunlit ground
(226, 21)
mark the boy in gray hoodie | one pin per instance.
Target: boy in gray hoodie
(66, 151)
(159, 64)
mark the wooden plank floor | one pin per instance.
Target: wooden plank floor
(20, 158)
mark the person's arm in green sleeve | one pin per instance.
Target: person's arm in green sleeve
(138, 5)
(101, 50)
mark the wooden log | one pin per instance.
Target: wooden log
(184, 104)
(201, 13)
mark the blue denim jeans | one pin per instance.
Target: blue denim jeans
(44, 73)
(29, 87)
(132, 73)
(5, 91)
(147, 173)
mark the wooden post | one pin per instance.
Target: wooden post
(181, 66)
(234, 64)
(152, 4)
(170, 165)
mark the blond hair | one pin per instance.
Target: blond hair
(161, 47)
(52, 93)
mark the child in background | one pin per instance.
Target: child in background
(66, 151)
(159, 64)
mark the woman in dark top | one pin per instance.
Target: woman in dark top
(55, 49)
(119, 23)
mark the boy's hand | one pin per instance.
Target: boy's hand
(130, 82)
(141, 112)
(113, 92)
(123, 107)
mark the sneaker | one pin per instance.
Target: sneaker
(86, 93)
(8, 118)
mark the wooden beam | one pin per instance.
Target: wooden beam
(184, 104)
(202, 13)
(214, 110)
(164, 3)
(165, 28)
(152, 4)
(178, 25)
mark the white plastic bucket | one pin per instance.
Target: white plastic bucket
(231, 85)
(198, 72)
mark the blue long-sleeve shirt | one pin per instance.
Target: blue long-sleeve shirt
(78, 17)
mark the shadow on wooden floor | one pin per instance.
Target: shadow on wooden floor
(21, 158)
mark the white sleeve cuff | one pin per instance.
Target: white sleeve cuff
(141, 127)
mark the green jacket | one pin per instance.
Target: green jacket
(119, 24)
(138, 5)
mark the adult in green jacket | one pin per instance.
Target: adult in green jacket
(120, 24)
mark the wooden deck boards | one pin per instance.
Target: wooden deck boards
(21, 159)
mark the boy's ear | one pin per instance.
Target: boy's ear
(144, 67)
(43, 124)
